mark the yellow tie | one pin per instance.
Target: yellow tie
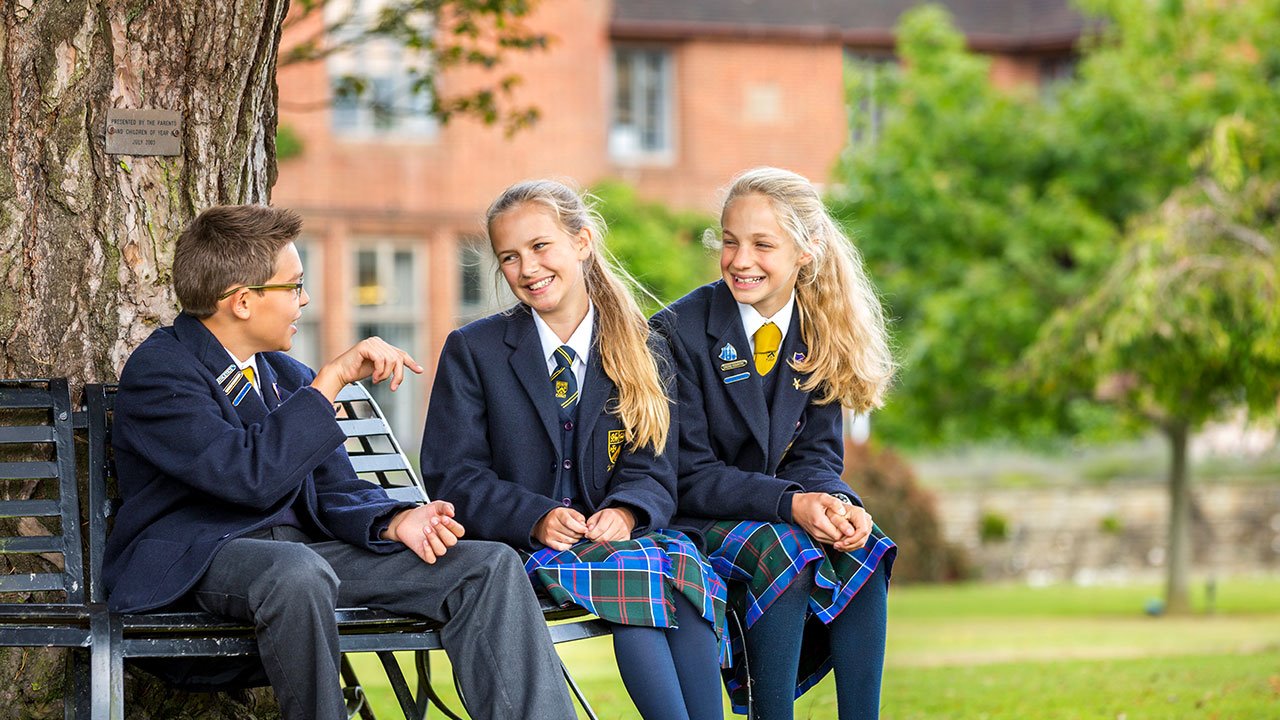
(248, 373)
(767, 338)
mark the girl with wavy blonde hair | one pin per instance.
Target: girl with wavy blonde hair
(766, 356)
(549, 429)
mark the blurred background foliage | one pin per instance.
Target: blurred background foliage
(662, 248)
(982, 213)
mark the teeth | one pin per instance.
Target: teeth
(540, 284)
(748, 280)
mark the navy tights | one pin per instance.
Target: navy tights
(672, 672)
(857, 650)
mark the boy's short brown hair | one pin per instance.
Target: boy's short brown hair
(229, 245)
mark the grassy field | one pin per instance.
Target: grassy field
(1013, 652)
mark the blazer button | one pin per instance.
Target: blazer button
(568, 424)
(568, 464)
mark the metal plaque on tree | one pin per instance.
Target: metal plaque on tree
(144, 132)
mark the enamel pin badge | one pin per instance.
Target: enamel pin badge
(736, 378)
(797, 357)
(728, 353)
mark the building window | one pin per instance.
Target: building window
(480, 290)
(642, 103)
(472, 280)
(375, 81)
(308, 342)
(387, 303)
(867, 80)
(1055, 72)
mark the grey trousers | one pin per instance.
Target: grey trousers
(288, 587)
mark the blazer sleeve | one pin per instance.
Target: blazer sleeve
(816, 458)
(708, 487)
(646, 481)
(166, 413)
(456, 456)
(356, 511)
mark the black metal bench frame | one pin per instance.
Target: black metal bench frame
(73, 623)
(101, 642)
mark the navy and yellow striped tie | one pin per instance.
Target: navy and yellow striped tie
(563, 382)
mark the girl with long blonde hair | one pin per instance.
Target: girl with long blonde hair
(766, 358)
(549, 428)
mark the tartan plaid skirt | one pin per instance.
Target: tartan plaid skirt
(630, 582)
(760, 560)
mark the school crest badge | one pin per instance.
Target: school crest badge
(728, 353)
(562, 389)
(616, 437)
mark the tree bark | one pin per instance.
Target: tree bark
(86, 238)
(1177, 595)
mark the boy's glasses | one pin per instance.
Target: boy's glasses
(296, 287)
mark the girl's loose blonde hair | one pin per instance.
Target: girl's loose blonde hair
(841, 318)
(623, 340)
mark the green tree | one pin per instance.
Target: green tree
(983, 212)
(660, 247)
(1186, 324)
(964, 213)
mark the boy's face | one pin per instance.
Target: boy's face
(273, 312)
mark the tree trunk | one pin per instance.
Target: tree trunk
(1177, 596)
(86, 238)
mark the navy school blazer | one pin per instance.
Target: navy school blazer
(196, 470)
(739, 460)
(492, 442)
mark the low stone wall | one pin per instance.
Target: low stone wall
(1103, 534)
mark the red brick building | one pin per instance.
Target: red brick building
(672, 96)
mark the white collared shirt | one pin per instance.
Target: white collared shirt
(579, 341)
(252, 362)
(752, 320)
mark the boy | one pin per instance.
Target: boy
(239, 497)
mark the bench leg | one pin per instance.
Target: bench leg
(106, 666)
(352, 681)
(399, 684)
(75, 700)
(577, 692)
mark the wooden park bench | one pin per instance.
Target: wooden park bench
(105, 641)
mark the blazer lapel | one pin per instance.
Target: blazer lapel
(731, 353)
(789, 400)
(531, 370)
(268, 382)
(247, 402)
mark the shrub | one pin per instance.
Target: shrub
(907, 512)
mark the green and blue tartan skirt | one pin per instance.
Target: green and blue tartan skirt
(759, 560)
(630, 582)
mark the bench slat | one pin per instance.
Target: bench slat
(36, 544)
(11, 435)
(351, 392)
(44, 636)
(30, 582)
(405, 494)
(378, 463)
(25, 398)
(364, 427)
(29, 508)
(28, 470)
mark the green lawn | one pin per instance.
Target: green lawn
(1012, 652)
